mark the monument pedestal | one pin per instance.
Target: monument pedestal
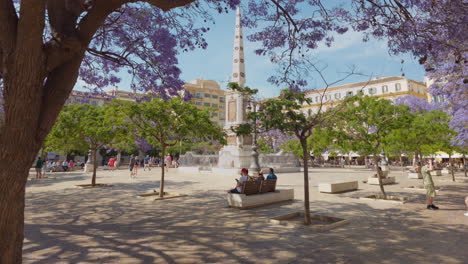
(234, 157)
(88, 167)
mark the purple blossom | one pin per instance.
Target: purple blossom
(275, 138)
(143, 145)
(418, 104)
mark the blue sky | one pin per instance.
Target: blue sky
(371, 59)
(215, 63)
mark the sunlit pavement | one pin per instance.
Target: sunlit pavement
(66, 224)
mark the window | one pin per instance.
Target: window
(317, 99)
(207, 95)
(214, 105)
(221, 115)
(438, 99)
(214, 114)
(384, 89)
(349, 93)
(214, 96)
(199, 95)
(198, 102)
(372, 90)
(221, 99)
(397, 87)
(207, 104)
(337, 96)
(221, 106)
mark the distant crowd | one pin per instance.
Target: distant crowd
(42, 166)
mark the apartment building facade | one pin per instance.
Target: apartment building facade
(208, 93)
(387, 87)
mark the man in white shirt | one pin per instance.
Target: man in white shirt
(243, 178)
(65, 165)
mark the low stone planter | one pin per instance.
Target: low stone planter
(420, 188)
(385, 181)
(155, 196)
(436, 173)
(414, 175)
(390, 198)
(242, 201)
(338, 187)
(90, 186)
(319, 223)
(461, 179)
(43, 178)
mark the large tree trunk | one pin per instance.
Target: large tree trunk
(95, 164)
(12, 202)
(118, 158)
(305, 154)
(29, 116)
(379, 175)
(163, 159)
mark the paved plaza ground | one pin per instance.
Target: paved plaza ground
(66, 224)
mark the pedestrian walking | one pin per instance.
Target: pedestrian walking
(429, 185)
(147, 163)
(38, 167)
(135, 167)
(111, 163)
(131, 165)
(168, 161)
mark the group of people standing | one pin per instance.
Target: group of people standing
(43, 166)
(148, 162)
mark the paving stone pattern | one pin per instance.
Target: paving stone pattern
(67, 224)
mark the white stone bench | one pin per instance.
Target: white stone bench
(205, 168)
(414, 175)
(443, 171)
(338, 187)
(436, 173)
(375, 181)
(242, 201)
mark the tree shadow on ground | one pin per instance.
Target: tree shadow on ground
(75, 226)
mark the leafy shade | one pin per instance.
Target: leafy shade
(365, 122)
(83, 127)
(166, 123)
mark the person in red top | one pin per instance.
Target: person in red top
(111, 163)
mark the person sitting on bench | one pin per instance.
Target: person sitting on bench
(259, 176)
(243, 178)
(271, 175)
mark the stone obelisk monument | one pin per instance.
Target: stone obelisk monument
(238, 151)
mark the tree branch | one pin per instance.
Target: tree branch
(121, 60)
(166, 5)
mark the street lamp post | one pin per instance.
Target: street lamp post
(254, 164)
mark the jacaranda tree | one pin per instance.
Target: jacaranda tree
(166, 123)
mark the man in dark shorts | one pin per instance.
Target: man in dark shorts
(131, 165)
